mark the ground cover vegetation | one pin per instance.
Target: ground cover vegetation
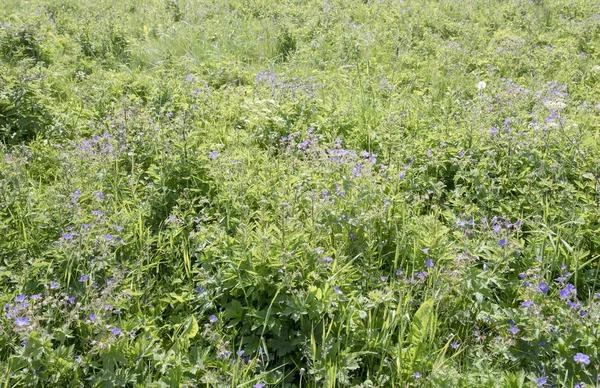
(257, 193)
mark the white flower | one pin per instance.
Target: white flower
(481, 85)
(554, 105)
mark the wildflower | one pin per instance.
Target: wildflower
(86, 226)
(240, 352)
(107, 306)
(67, 236)
(583, 313)
(54, 286)
(20, 298)
(514, 330)
(502, 242)
(200, 290)
(429, 263)
(108, 237)
(422, 275)
(116, 331)
(337, 289)
(84, 278)
(327, 259)
(582, 358)
(561, 279)
(351, 236)
(541, 381)
(259, 385)
(538, 259)
(402, 175)
(319, 250)
(567, 291)
(71, 300)
(213, 318)
(22, 321)
(97, 213)
(425, 250)
(118, 228)
(543, 288)
(454, 345)
(24, 343)
(35, 297)
(481, 85)
(324, 193)
(417, 375)
(579, 385)
(527, 303)
(214, 155)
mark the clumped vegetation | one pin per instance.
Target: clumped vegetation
(246, 193)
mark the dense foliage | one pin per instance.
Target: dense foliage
(256, 193)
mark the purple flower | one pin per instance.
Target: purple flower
(383, 278)
(583, 313)
(84, 278)
(422, 275)
(97, 213)
(567, 291)
(579, 385)
(108, 237)
(582, 358)
(425, 250)
(429, 263)
(71, 299)
(319, 250)
(23, 321)
(35, 297)
(86, 226)
(20, 298)
(351, 236)
(92, 317)
(543, 288)
(527, 303)
(327, 259)
(107, 306)
(240, 352)
(54, 286)
(259, 385)
(67, 236)
(502, 242)
(337, 289)
(24, 343)
(417, 375)
(116, 331)
(454, 345)
(514, 330)
(214, 155)
(541, 381)
(213, 318)
(402, 175)
(118, 228)
(561, 279)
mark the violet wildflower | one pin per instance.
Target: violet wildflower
(24, 343)
(20, 298)
(213, 318)
(54, 286)
(514, 330)
(541, 381)
(429, 263)
(108, 237)
(502, 242)
(527, 303)
(337, 289)
(327, 259)
(35, 297)
(259, 385)
(116, 331)
(454, 345)
(92, 317)
(67, 236)
(402, 175)
(581, 358)
(383, 278)
(84, 278)
(22, 321)
(543, 288)
(214, 155)
(319, 250)
(417, 375)
(425, 250)
(71, 300)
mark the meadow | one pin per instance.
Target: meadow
(266, 193)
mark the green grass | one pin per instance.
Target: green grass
(299, 193)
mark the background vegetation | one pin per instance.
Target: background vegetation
(252, 193)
